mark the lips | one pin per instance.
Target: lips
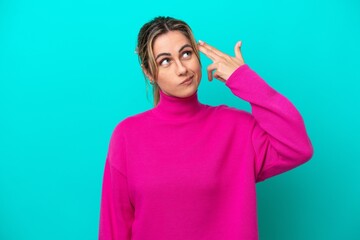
(187, 80)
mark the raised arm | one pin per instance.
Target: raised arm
(278, 133)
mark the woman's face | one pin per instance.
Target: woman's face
(176, 62)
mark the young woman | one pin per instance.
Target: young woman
(186, 170)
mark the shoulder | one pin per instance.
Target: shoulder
(132, 122)
(227, 118)
(229, 112)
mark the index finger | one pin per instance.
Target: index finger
(213, 56)
(212, 49)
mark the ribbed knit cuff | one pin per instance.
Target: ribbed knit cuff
(237, 71)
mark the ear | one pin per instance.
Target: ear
(148, 75)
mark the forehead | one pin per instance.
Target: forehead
(170, 42)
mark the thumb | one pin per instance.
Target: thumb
(237, 49)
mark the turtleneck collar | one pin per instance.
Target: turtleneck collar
(177, 108)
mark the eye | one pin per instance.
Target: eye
(187, 54)
(164, 61)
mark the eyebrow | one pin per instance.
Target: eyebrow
(168, 54)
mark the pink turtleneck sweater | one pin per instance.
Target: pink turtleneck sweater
(187, 171)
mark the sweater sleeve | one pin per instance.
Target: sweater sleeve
(278, 133)
(116, 211)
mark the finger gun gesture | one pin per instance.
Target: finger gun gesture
(223, 64)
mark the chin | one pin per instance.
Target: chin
(190, 92)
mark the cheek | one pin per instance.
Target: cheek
(195, 65)
(199, 76)
(197, 69)
(165, 76)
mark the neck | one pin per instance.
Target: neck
(177, 108)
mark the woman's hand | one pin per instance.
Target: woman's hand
(224, 64)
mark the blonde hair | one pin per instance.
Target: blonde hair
(146, 38)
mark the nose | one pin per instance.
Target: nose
(180, 68)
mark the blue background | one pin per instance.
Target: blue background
(68, 75)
